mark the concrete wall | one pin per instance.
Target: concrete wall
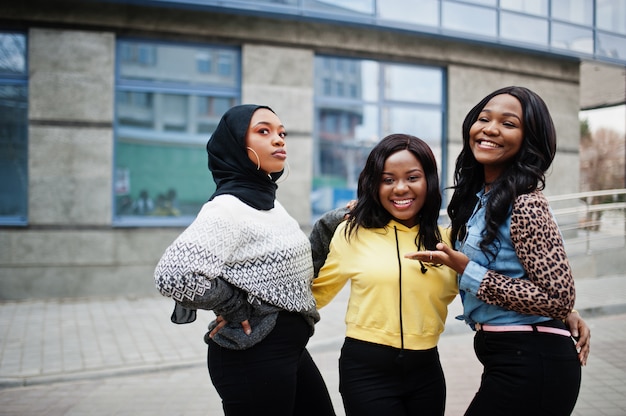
(70, 101)
(70, 247)
(602, 85)
(282, 78)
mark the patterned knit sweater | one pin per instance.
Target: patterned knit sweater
(242, 263)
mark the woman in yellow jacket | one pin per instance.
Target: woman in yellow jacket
(397, 309)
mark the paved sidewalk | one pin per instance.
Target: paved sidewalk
(90, 344)
(43, 341)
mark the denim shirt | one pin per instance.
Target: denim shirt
(504, 262)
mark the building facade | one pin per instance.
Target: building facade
(107, 107)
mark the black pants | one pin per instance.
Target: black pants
(375, 380)
(275, 377)
(526, 373)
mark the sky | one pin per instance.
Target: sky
(613, 118)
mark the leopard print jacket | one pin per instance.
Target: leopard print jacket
(549, 287)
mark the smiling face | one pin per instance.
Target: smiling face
(402, 190)
(266, 137)
(497, 135)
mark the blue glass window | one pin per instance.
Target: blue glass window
(388, 98)
(366, 7)
(611, 16)
(463, 18)
(535, 7)
(525, 29)
(491, 3)
(611, 46)
(571, 37)
(169, 99)
(573, 11)
(498, 22)
(13, 129)
(204, 63)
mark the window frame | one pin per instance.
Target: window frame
(191, 91)
(20, 219)
(377, 15)
(382, 103)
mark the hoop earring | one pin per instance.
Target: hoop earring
(258, 161)
(284, 178)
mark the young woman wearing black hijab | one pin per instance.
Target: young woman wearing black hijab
(245, 258)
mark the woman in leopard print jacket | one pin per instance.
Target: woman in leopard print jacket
(514, 277)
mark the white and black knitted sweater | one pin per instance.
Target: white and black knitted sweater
(242, 263)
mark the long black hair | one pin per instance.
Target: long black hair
(526, 172)
(370, 213)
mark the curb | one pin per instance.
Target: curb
(595, 311)
(27, 381)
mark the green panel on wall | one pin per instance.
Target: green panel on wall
(160, 168)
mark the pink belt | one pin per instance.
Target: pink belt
(522, 328)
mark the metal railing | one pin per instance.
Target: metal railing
(589, 221)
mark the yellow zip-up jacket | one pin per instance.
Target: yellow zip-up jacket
(379, 275)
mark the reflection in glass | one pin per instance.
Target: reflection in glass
(343, 132)
(523, 28)
(422, 12)
(411, 83)
(369, 74)
(225, 64)
(347, 78)
(135, 109)
(210, 110)
(160, 141)
(285, 2)
(464, 18)
(423, 123)
(571, 37)
(483, 2)
(611, 46)
(136, 55)
(341, 6)
(405, 99)
(536, 7)
(146, 175)
(12, 54)
(150, 116)
(169, 99)
(174, 115)
(13, 151)
(13, 129)
(611, 15)
(346, 133)
(573, 11)
(204, 62)
(145, 61)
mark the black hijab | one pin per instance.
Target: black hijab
(233, 171)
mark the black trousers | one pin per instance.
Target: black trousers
(377, 380)
(275, 377)
(526, 373)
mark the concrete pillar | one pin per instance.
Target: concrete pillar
(71, 89)
(282, 78)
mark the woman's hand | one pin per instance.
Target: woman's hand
(443, 255)
(221, 322)
(350, 206)
(581, 332)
